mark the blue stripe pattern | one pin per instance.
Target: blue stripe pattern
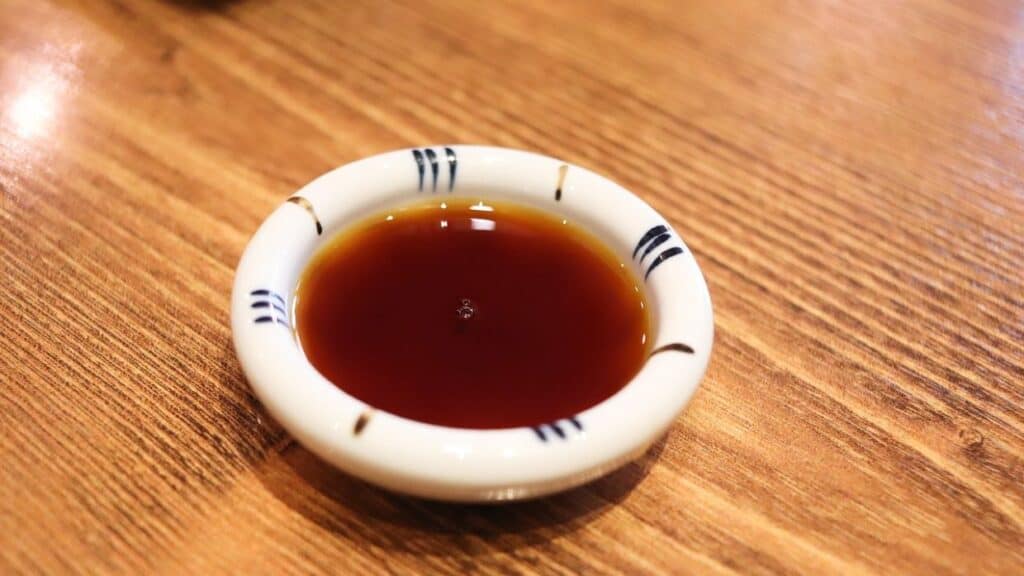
(649, 242)
(555, 429)
(270, 307)
(428, 156)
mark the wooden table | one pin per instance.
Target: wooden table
(850, 175)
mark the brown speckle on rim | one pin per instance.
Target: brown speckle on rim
(562, 171)
(300, 201)
(674, 347)
(361, 422)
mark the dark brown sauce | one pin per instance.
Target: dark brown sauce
(471, 315)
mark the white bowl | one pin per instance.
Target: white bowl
(456, 463)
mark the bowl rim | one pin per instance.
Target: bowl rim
(463, 464)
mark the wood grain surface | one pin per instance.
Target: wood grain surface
(850, 175)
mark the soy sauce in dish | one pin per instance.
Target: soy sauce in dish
(473, 315)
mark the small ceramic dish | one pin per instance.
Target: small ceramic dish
(457, 463)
